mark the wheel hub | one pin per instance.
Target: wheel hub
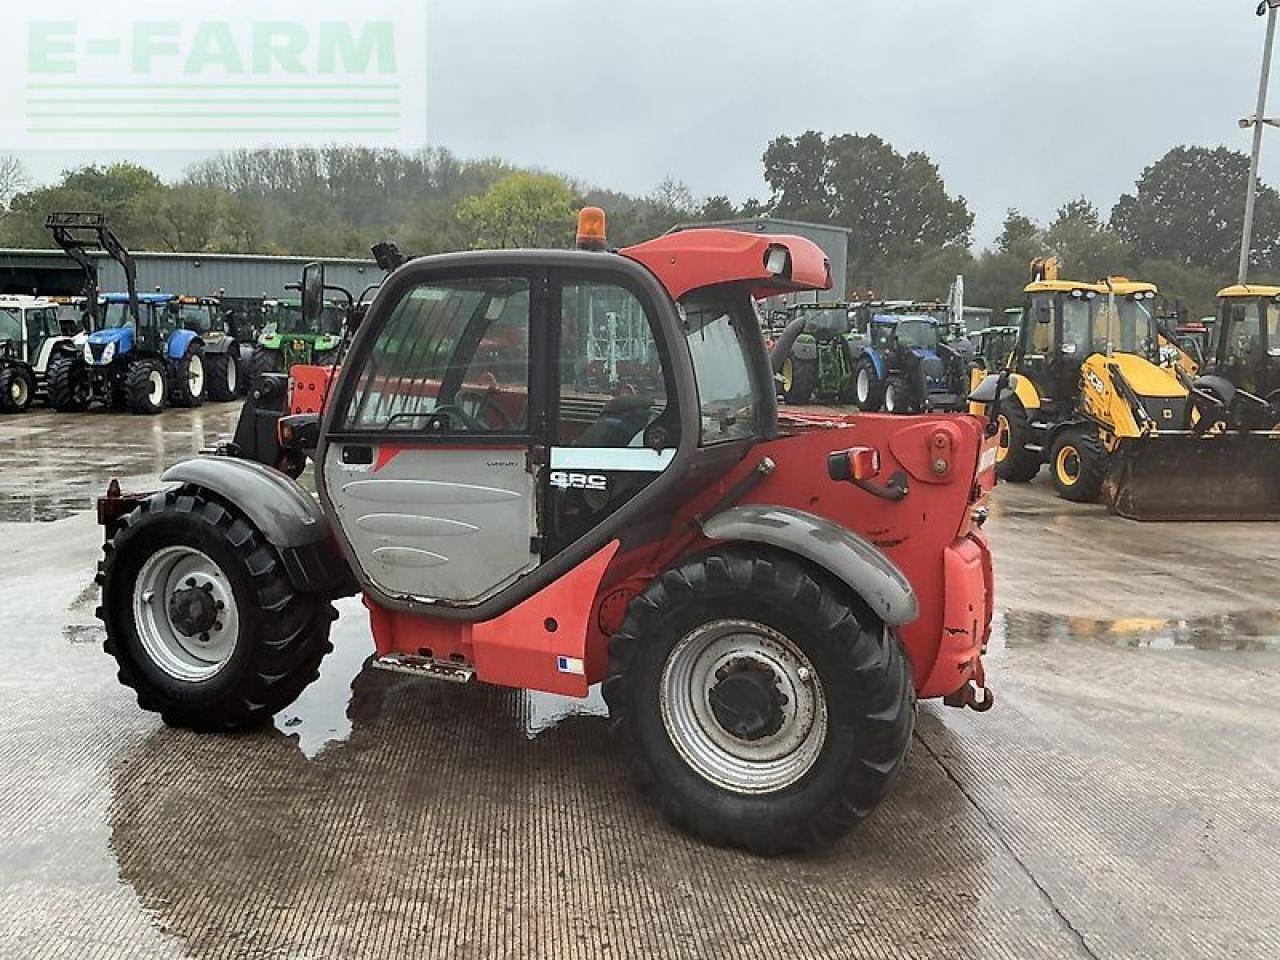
(192, 610)
(747, 701)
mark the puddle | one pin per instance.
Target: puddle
(84, 633)
(540, 712)
(43, 509)
(1249, 631)
(319, 718)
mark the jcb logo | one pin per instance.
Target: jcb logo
(1095, 381)
(579, 481)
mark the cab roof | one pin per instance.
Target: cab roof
(1251, 290)
(687, 260)
(24, 300)
(155, 298)
(1062, 286)
(1124, 287)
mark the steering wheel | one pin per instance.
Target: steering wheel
(481, 403)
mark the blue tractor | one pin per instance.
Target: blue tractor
(139, 355)
(901, 365)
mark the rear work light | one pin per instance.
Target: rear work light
(777, 261)
(857, 463)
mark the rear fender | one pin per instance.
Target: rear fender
(179, 342)
(858, 564)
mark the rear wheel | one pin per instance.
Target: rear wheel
(188, 378)
(223, 374)
(868, 388)
(146, 387)
(799, 378)
(1078, 462)
(69, 387)
(1015, 463)
(765, 706)
(262, 361)
(17, 387)
(201, 618)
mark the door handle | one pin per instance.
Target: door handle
(358, 455)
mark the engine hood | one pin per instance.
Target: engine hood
(122, 337)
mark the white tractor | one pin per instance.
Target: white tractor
(30, 334)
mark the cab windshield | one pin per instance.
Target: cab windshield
(288, 319)
(115, 314)
(918, 334)
(1245, 333)
(1127, 325)
(189, 316)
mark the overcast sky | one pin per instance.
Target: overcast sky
(1026, 104)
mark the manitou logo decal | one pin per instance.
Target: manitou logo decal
(205, 74)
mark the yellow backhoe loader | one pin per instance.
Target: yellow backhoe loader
(1099, 389)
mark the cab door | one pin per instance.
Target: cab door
(433, 458)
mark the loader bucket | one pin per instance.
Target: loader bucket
(1183, 477)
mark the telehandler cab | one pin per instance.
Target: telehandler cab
(762, 597)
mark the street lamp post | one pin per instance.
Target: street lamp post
(1268, 7)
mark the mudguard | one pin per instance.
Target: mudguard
(843, 554)
(217, 343)
(877, 361)
(284, 512)
(178, 343)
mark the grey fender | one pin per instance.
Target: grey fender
(842, 553)
(283, 511)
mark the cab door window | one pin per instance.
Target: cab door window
(1041, 328)
(616, 424)
(453, 358)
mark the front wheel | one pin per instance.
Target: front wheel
(1079, 462)
(897, 396)
(261, 362)
(188, 378)
(69, 388)
(201, 617)
(146, 387)
(764, 705)
(1016, 462)
(17, 387)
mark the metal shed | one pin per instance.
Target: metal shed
(235, 276)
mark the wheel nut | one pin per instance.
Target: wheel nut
(217, 625)
(204, 638)
(207, 588)
(191, 581)
(218, 604)
(804, 674)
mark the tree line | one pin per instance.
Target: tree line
(1179, 226)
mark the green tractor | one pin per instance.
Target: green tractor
(815, 360)
(288, 339)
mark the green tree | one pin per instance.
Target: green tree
(1189, 208)
(1087, 247)
(521, 210)
(896, 206)
(1018, 232)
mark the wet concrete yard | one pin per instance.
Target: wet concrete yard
(1122, 800)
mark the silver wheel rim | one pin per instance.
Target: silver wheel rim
(192, 658)
(695, 666)
(891, 399)
(195, 375)
(18, 391)
(232, 375)
(156, 393)
(864, 385)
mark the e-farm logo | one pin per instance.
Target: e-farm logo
(216, 75)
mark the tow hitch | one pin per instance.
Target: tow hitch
(967, 696)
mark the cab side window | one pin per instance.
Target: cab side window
(453, 358)
(1043, 319)
(612, 381)
(713, 328)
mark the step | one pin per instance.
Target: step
(448, 670)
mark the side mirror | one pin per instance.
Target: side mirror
(991, 389)
(312, 294)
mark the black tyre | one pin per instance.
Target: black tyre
(868, 388)
(17, 388)
(1078, 463)
(799, 379)
(146, 386)
(187, 376)
(1015, 463)
(222, 372)
(763, 704)
(898, 396)
(201, 617)
(69, 387)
